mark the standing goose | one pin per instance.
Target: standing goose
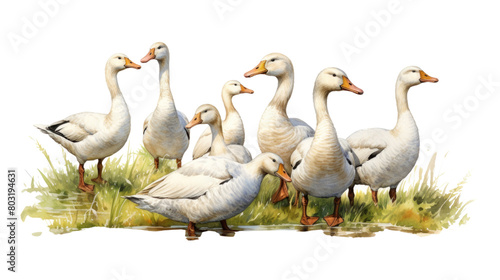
(164, 132)
(209, 189)
(387, 156)
(277, 133)
(208, 114)
(232, 126)
(90, 136)
(322, 165)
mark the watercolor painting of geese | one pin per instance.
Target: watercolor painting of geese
(324, 168)
(136, 130)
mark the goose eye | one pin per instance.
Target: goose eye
(205, 111)
(274, 160)
(413, 71)
(235, 85)
(273, 60)
(119, 57)
(159, 47)
(335, 75)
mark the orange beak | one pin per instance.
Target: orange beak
(260, 69)
(281, 173)
(195, 121)
(426, 78)
(347, 85)
(245, 90)
(130, 64)
(149, 56)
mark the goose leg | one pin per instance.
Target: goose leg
(375, 197)
(351, 195)
(392, 194)
(99, 179)
(157, 163)
(297, 197)
(223, 223)
(179, 163)
(191, 230)
(306, 220)
(81, 184)
(334, 219)
(281, 193)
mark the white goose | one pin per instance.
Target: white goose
(387, 156)
(208, 114)
(208, 189)
(165, 135)
(90, 136)
(277, 133)
(323, 164)
(232, 126)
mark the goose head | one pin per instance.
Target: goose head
(119, 61)
(413, 76)
(334, 79)
(273, 164)
(205, 114)
(234, 87)
(158, 51)
(274, 64)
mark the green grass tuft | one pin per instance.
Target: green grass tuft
(422, 204)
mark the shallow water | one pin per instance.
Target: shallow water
(82, 205)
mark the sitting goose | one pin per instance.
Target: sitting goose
(209, 189)
(208, 114)
(232, 126)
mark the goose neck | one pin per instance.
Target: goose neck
(283, 92)
(402, 101)
(227, 99)
(165, 79)
(218, 144)
(320, 97)
(117, 101)
(112, 82)
(255, 167)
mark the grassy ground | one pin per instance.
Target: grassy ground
(423, 204)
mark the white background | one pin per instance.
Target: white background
(56, 69)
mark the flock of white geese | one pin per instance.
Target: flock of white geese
(223, 179)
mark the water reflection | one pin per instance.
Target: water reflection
(351, 230)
